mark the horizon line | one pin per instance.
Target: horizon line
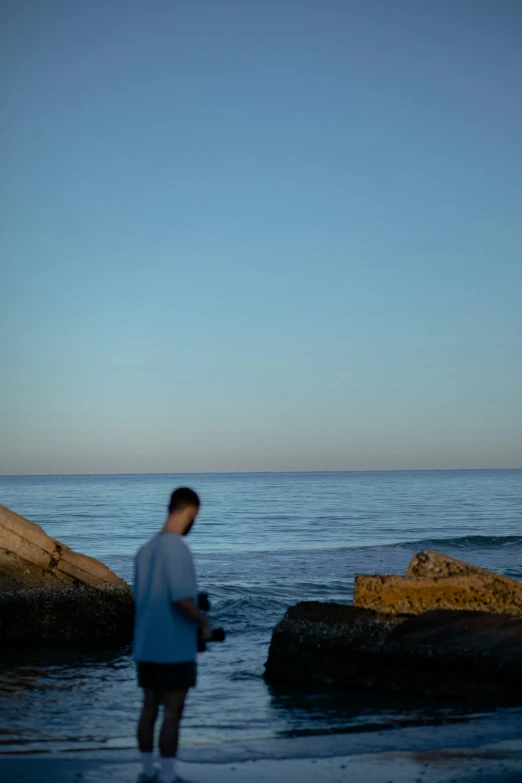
(255, 472)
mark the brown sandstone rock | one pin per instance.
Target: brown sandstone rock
(435, 564)
(404, 595)
(30, 558)
(435, 581)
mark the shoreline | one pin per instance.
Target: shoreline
(495, 763)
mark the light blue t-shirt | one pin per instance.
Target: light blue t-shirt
(164, 573)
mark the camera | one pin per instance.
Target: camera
(218, 634)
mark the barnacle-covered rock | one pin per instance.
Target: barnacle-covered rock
(51, 594)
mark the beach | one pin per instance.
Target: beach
(498, 763)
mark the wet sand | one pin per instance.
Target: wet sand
(500, 763)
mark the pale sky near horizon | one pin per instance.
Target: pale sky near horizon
(266, 235)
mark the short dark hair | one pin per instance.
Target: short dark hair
(181, 498)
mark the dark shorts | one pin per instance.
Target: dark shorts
(166, 677)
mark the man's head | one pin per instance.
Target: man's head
(183, 509)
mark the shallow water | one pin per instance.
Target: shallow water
(261, 543)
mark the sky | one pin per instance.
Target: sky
(260, 235)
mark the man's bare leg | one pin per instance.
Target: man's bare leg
(149, 713)
(173, 704)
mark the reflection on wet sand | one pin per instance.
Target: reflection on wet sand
(355, 711)
(54, 669)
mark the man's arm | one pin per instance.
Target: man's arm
(190, 609)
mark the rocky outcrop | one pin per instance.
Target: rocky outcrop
(445, 629)
(451, 654)
(77, 615)
(51, 594)
(31, 558)
(435, 581)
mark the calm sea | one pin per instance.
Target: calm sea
(262, 542)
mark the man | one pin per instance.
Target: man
(165, 632)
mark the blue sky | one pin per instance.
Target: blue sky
(278, 235)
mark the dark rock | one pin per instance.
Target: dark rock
(453, 654)
(83, 615)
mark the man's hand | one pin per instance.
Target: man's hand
(206, 630)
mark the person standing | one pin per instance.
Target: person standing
(165, 633)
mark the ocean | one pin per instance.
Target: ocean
(262, 542)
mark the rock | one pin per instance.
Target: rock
(50, 594)
(79, 615)
(445, 629)
(435, 564)
(435, 581)
(451, 654)
(30, 558)
(403, 595)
